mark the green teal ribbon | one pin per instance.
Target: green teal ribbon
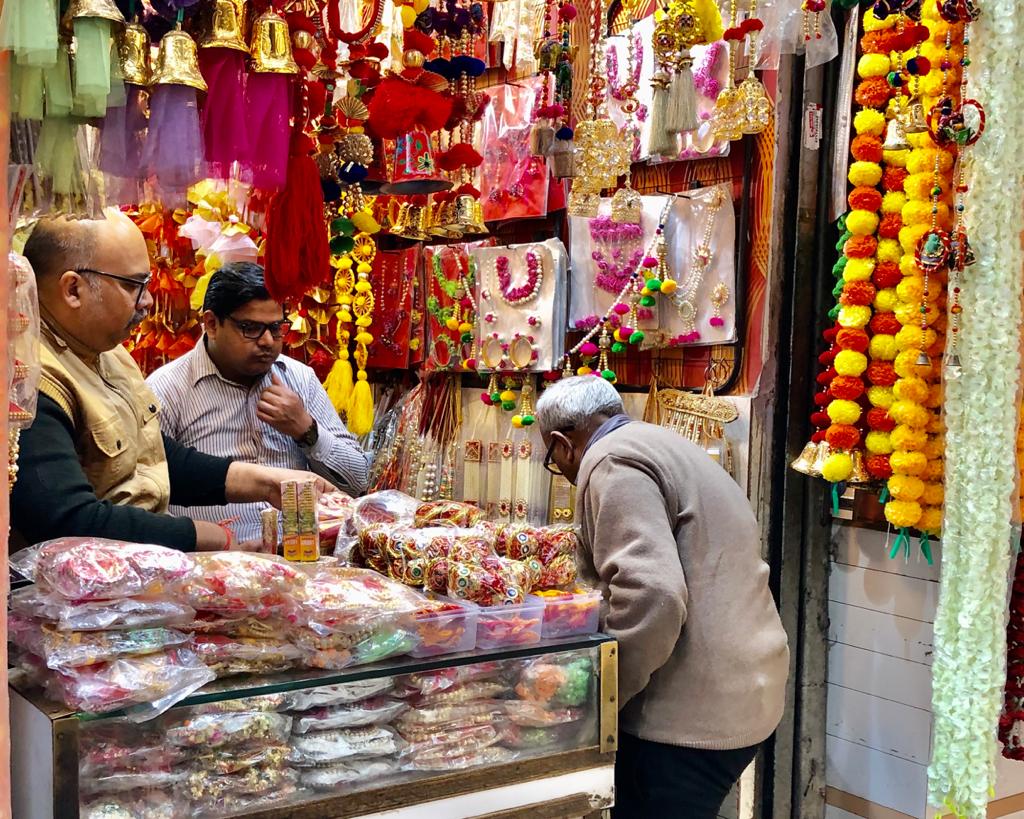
(926, 548)
(835, 500)
(883, 496)
(902, 541)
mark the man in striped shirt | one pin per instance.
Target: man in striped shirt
(236, 396)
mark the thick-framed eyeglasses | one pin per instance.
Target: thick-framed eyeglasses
(141, 284)
(549, 464)
(254, 330)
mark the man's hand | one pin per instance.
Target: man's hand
(283, 409)
(248, 483)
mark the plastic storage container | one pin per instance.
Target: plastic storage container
(510, 626)
(571, 613)
(445, 632)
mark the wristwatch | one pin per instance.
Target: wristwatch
(309, 437)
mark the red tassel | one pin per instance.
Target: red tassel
(415, 40)
(297, 252)
(462, 155)
(399, 106)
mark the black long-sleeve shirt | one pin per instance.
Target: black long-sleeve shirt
(53, 498)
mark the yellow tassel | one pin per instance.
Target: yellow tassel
(339, 382)
(360, 411)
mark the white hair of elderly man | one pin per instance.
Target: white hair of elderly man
(572, 402)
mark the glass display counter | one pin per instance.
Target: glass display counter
(496, 733)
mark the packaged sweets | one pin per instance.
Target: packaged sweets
(447, 513)
(220, 730)
(532, 714)
(225, 761)
(68, 649)
(243, 582)
(153, 682)
(91, 568)
(373, 711)
(100, 615)
(319, 748)
(389, 507)
(339, 693)
(360, 771)
(245, 655)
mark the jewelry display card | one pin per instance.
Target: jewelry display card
(449, 277)
(393, 278)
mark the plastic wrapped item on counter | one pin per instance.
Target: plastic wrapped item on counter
(556, 682)
(569, 613)
(387, 641)
(208, 622)
(443, 760)
(142, 804)
(444, 626)
(333, 777)
(260, 702)
(146, 685)
(554, 546)
(339, 693)
(456, 740)
(455, 546)
(550, 737)
(243, 582)
(390, 507)
(213, 795)
(447, 513)
(101, 615)
(319, 748)
(93, 568)
(245, 655)
(510, 626)
(532, 714)
(491, 581)
(374, 711)
(222, 730)
(68, 649)
(468, 692)
(344, 599)
(122, 782)
(115, 747)
(444, 679)
(223, 762)
(334, 512)
(438, 716)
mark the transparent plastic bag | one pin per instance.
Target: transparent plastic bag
(344, 599)
(101, 615)
(558, 683)
(444, 679)
(468, 692)
(23, 364)
(64, 649)
(436, 759)
(334, 513)
(331, 777)
(146, 686)
(339, 694)
(224, 762)
(534, 715)
(489, 581)
(226, 655)
(92, 568)
(233, 793)
(387, 641)
(454, 514)
(119, 747)
(243, 582)
(374, 711)
(222, 730)
(122, 782)
(141, 804)
(389, 507)
(209, 622)
(437, 716)
(330, 747)
(547, 738)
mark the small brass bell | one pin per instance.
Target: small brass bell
(627, 206)
(442, 222)
(805, 460)
(271, 45)
(583, 204)
(466, 216)
(820, 456)
(177, 62)
(103, 9)
(476, 225)
(895, 138)
(226, 21)
(133, 54)
(914, 122)
(411, 223)
(859, 473)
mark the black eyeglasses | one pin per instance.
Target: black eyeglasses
(254, 330)
(141, 284)
(549, 464)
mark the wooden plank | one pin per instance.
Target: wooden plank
(857, 806)
(879, 724)
(880, 632)
(883, 779)
(832, 812)
(882, 591)
(890, 678)
(855, 546)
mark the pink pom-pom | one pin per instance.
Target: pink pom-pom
(486, 398)
(470, 363)
(625, 332)
(621, 308)
(717, 321)
(650, 261)
(589, 348)
(567, 13)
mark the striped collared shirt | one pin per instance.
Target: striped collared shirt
(203, 409)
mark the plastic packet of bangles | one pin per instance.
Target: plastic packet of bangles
(374, 711)
(332, 777)
(146, 803)
(445, 760)
(319, 748)
(534, 715)
(465, 693)
(116, 746)
(245, 655)
(429, 682)
(226, 761)
(440, 715)
(214, 795)
(100, 615)
(241, 583)
(339, 694)
(122, 782)
(207, 622)
(222, 730)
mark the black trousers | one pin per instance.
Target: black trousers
(656, 781)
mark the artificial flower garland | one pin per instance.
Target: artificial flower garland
(981, 416)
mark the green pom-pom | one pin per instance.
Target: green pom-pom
(637, 337)
(608, 375)
(343, 225)
(528, 420)
(495, 397)
(837, 291)
(647, 301)
(508, 406)
(654, 285)
(341, 244)
(466, 338)
(618, 347)
(833, 314)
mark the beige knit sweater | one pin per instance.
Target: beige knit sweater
(671, 540)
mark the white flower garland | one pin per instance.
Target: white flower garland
(981, 415)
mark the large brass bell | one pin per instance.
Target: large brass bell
(805, 460)
(177, 62)
(409, 224)
(820, 456)
(914, 122)
(133, 54)
(441, 221)
(469, 215)
(103, 9)
(895, 137)
(271, 45)
(226, 26)
(859, 474)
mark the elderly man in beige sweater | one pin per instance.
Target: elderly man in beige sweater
(672, 542)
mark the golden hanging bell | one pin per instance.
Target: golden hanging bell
(474, 224)
(859, 474)
(441, 221)
(225, 29)
(627, 206)
(914, 122)
(820, 456)
(271, 45)
(133, 54)
(804, 462)
(467, 215)
(410, 223)
(103, 9)
(177, 62)
(895, 137)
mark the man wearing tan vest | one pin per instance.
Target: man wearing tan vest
(94, 462)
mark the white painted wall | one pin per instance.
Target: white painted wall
(879, 676)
